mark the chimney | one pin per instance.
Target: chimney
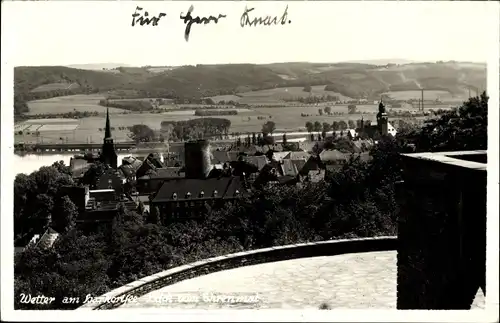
(422, 99)
(197, 159)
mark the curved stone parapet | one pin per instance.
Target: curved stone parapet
(119, 296)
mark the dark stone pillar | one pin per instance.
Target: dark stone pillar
(442, 232)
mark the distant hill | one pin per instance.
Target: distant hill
(355, 80)
(102, 66)
(384, 61)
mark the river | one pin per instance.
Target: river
(31, 162)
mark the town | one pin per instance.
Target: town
(130, 185)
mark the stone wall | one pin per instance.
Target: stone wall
(442, 230)
(168, 277)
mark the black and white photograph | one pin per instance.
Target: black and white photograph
(253, 160)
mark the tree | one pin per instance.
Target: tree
(254, 138)
(307, 88)
(309, 126)
(328, 110)
(142, 133)
(317, 126)
(351, 109)
(327, 127)
(320, 111)
(335, 126)
(342, 125)
(64, 215)
(35, 197)
(62, 168)
(284, 139)
(351, 124)
(268, 140)
(268, 128)
(464, 128)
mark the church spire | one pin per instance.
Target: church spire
(107, 134)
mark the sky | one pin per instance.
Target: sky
(87, 32)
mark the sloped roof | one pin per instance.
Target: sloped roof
(169, 172)
(259, 161)
(219, 157)
(332, 155)
(298, 155)
(299, 163)
(288, 168)
(194, 186)
(48, 238)
(280, 155)
(78, 166)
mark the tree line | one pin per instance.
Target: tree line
(210, 112)
(217, 128)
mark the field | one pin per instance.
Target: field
(66, 104)
(55, 86)
(91, 129)
(428, 95)
(277, 95)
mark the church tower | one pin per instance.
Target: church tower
(108, 153)
(382, 119)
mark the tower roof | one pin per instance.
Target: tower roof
(107, 134)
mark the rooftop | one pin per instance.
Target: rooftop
(180, 189)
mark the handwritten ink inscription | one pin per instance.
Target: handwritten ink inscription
(189, 20)
(246, 20)
(143, 19)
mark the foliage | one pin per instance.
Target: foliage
(36, 197)
(210, 112)
(142, 133)
(131, 105)
(268, 128)
(463, 128)
(196, 128)
(196, 83)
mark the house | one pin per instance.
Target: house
(111, 179)
(258, 161)
(100, 214)
(297, 155)
(151, 162)
(333, 156)
(78, 166)
(129, 167)
(180, 199)
(46, 241)
(153, 180)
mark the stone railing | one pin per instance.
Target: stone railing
(442, 230)
(119, 296)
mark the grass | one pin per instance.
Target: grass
(277, 95)
(87, 129)
(55, 86)
(66, 104)
(428, 95)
